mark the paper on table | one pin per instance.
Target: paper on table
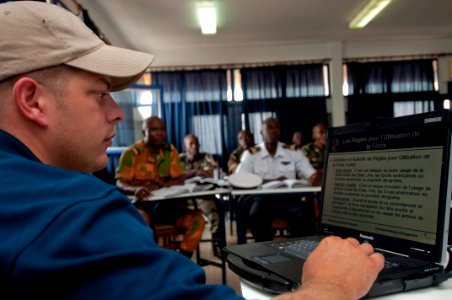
(170, 191)
(202, 180)
(290, 183)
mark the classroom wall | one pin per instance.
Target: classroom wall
(335, 52)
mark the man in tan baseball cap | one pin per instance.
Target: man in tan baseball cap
(35, 36)
(68, 235)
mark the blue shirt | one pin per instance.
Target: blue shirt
(69, 235)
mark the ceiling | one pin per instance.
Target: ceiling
(157, 26)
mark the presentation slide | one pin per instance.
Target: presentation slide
(392, 192)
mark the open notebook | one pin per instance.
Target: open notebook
(386, 182)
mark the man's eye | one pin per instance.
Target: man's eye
(102, 95)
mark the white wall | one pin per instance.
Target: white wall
(287, 52)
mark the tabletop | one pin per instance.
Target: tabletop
(439, 292)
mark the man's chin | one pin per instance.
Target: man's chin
(100, 164)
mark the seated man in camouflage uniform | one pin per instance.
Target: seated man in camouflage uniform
(315, 150)
(202, 164)
(150, 164)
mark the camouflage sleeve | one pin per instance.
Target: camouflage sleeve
(124, 170)
(210, 161)
(233, 162)
(176, 167)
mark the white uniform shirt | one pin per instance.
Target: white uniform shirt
(288, 163)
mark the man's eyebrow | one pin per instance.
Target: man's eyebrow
(104, 81)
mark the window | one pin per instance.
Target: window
(390, 88)
(256, 120)
(137, 103)
(234, 83)
(208, 131)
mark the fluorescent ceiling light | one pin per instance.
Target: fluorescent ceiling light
(207, 17)
(368, 12)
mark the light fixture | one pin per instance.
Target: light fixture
(368, 12)
(207, 17)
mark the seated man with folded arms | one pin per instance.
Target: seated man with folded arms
(273, 160)
(65, 233)
(245, 140)
(150, 164)
(202, 164)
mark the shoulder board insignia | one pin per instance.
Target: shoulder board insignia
(285, 146)
(254, 149)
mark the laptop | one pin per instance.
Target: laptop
(386, 182)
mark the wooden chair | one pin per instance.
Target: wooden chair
(281, 227)
(167, 236)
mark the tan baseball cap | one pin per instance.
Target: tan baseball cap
(35, 35)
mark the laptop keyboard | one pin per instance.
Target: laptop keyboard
(299, 248)
(302, 249)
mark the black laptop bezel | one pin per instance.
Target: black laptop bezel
(422, 251)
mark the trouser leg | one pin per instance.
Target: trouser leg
(300, 217)
(210, 210)
(193, 224)
(260, 219)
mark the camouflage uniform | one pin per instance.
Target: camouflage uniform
(206, 162)
(295, 147)
(315, 155)
(234, 159)
(202, 161)
(137, 166)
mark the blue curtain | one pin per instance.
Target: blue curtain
(194, 102)
(295, 95)
(375, 87)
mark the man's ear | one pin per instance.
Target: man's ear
(29, 97)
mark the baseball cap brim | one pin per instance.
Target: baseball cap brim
(123, 66)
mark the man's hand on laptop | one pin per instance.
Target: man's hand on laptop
(338, 269)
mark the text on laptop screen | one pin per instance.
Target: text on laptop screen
(385, 181)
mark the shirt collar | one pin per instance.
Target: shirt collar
(11, 144)
(279, 151)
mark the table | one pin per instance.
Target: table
(217, 195)
(258, 191)
(241, 194)
(439, 292)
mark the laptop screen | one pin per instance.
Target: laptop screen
(386, 182)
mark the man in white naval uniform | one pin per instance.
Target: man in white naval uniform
(273, 160)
